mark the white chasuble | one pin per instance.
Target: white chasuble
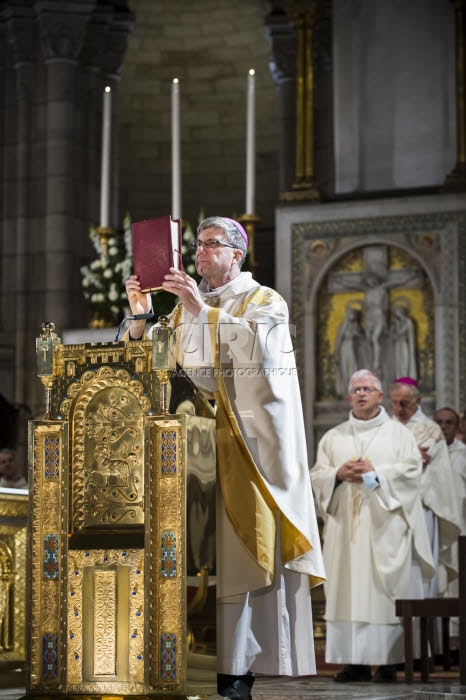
(376, 547)
(439, 498)
(268, 548)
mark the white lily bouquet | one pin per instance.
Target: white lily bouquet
(103, 280)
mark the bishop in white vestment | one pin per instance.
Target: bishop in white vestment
(438, 492)
(449, 420)
(367, 485)
(234, 342)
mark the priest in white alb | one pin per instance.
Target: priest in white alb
(438, 490)
(366, 482)
(233, 340)
(449, 421)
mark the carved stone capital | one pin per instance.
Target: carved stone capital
(63, 27)
(18, 30)
(281, 34)
(117, 40)
(107, 39)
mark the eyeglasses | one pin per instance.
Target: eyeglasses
(210, 244)
(363, 390)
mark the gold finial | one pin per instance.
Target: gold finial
(48, 328)
(163, 357)
(45, 345)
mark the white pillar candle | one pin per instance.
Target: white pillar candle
(106, 158)
(176, 164)
(250, 146)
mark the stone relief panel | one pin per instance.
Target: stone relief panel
(375, 310)
(414, 264)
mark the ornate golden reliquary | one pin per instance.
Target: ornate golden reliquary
(111, 549)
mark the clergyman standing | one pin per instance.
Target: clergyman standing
(366, 482)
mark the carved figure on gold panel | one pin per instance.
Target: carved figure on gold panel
(347, 348)
(116, 470)
(403, 340)
(375, 280)
(6, 582)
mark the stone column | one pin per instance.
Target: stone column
(456, 180)
(305, 14)
(281, 33)
(62, 39)
(20, 81)
(102, 57)
(55, 59)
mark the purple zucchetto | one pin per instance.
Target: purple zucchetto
(407, 380)
(240, 229)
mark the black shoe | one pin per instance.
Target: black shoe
(385, 674)
(353, 673)
(235, 688)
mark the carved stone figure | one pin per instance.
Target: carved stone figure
(375, 280)
(347, 349)
(403, 341)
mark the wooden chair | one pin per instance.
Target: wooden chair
(427, 608)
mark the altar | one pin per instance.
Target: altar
(346, 266)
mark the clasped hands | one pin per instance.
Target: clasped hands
(353, 469)
(425, 456)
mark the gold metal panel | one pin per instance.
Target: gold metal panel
(48, 449)
(107, 409)
(13, 538)
(106, 621)
(166, 543)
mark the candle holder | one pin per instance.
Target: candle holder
(163, 358)
(105, 233)
(250, 221)
(45, 346)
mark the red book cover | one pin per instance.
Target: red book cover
(156, 248)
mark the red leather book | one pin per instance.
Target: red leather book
(156, 248)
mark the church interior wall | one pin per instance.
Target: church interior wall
(210, 47)
(392, 116)
(429, 229)
(394, 93)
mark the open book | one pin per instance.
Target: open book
(156, 248)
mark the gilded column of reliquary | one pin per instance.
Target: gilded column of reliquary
(49, 448)
(167, 533)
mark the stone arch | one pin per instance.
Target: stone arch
(431, 240)
(333, 309)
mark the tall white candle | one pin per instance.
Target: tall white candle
(250, 146)
(106, 158)
(176, 162)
